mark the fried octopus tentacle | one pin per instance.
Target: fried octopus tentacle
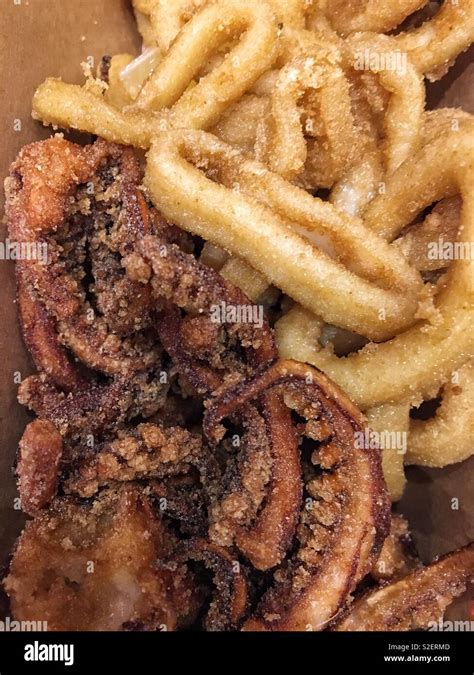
(340, 537)
(179, 279)
(271, 456)
(125, 304)
(93, 410)
(259, 508)
(41, 339)
(43, 206)
(149, 451)
(40, 452)
(416, 600)
(181, 500)
(267, 541)
(398, 555)
(229, 603)
(197, 346)
(170, 326)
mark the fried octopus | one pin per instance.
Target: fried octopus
(206, 347)
(214, 355)
(86, 324)
(398, 555)
(149, 451)
(414, 601)
(341, 529)
(41, 449)
(83, 204)
(96, 566)
(254, 511)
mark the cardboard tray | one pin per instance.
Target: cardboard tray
(41, 38)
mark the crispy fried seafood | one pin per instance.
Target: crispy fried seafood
(149, 451)
(416, 600)
(297, 205)
(83, 207)
(281, 487)
(344, 520)
(96, 566)
(193, 324)
(41, 449)
(87, 325)
(398, 555)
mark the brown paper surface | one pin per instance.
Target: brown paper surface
(41, 38)
(38, 39)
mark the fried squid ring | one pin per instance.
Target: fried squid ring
(291, 13)
(404, 116)
(70, 106)
(229, 603)
(91, 110)
(248, 229)
(348, 521)
(310, 128)
(82, 566)
(444, 120)
(168, 18)
(379, 16)
(110, 69)
(434, 46)
(358, 186)
(391, 422)
(447, 438)
(235, 271)
(377, 374)
(41, 449)
(132, 76)
(417, 600)
(44, 178)
(243, 276)
(239, 125)
(201, 106)
(356, 189)
(309, 82)
(145, 29)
